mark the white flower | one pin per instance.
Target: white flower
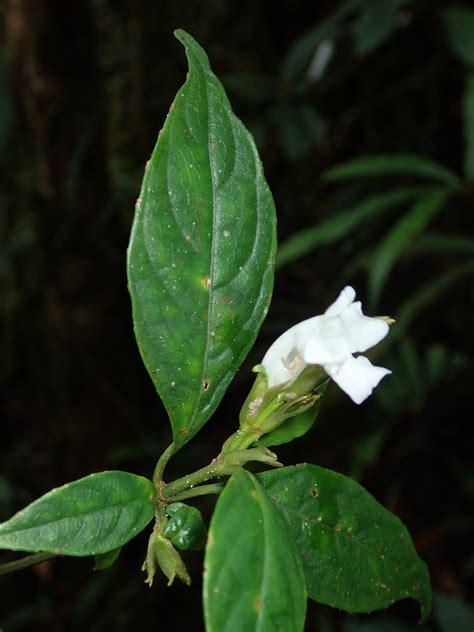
(330, 340)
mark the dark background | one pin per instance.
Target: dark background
(84, 89)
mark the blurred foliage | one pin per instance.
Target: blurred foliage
(364, 115)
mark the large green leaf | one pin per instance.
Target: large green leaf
(95, 514)
(202, 249)
(253, 578)
(400, 237)
(343, 223)
(356, 554)
(388, 165)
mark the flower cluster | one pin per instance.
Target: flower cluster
(330, 340)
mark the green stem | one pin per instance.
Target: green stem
(160, 466)
(223, 465)
(29, 560)
(201, 490)
(214, 469)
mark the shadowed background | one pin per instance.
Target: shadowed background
(84, 90)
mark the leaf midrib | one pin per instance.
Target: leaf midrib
(211, 262)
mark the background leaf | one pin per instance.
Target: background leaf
(468, 107)
(387, 165)
(452, 613)
(202, 248)
(95, 514)
(341, 224)
(357, 556)
(375, 23)
(253, 576)
(400, 237)
(459, 24)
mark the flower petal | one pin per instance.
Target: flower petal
(340, 336)
(284, 359)
(360, 332)
(357, 377)
(343, 301)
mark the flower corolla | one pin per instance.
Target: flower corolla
(330, 340)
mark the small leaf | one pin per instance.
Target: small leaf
(387, 165)
(400, 238)
(103, 561)
(92, 515)
(294, 427)
(341, 224)
(357, 556)
(202, 249)
(459, 25)
(253, 577)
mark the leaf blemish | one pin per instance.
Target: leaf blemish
(314, 493)
(205, 385)
(183, 432)
(257, 604)
(206, 282)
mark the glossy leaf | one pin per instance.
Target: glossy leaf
(400, 237)
(343, 223)
(294, 427)
(253, 577)
(387, 165)
(92, 515)
(202, 248)
(357, 556)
